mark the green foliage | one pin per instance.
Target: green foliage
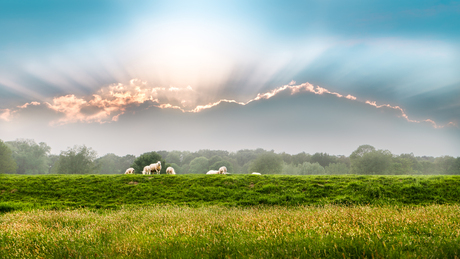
(213, 160)
(148, 159)
(53, 164)
(113, 164)
(446, 164)
(77, 160)
(30, 157)
(301, 158)
(337, 168)
(308, 168)
(290, 169)
(188, 156)
(7, 163)
(177, 168)
(456, 167)
(245, 156)
(323, 159)
(402, 165)
(221, 163)
(287, 158)
(361, 151)
(174, 157)
(427, 167)
(199, 165)
(267, 163)
(315, 169)
(367, 160)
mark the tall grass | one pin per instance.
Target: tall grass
(329, 231)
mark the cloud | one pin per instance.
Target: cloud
(351, 97)
(27, 104)
(404, 115)
(8, 114)
(104, 106)
(5, 114)
(109, 103)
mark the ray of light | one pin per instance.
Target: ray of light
(109, 103)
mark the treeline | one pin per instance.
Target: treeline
(25, 156)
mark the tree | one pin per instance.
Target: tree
(301, 158)
(77, 160)
(53, 164)
(163, 153)
(287, 158)
(221, 163)
(337, 168)
(290, 169)
(361, 151)
(30, 157)
(113, 164)
(344, 160)
(367, 160)
(428, 167)
(323, 159)
(213, 160)
(245, 156)
(456, 168)
(308, 168)
(414, 161)
(199, 165)
(147, 159)
(267, 163)
(445, 164)
(187, 157)
(177, 168)
(7, 163)
(174, 157)
(402, 165)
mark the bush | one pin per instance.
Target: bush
(221, 163)
(147, 159)
(337, 168)
(199, 165)
(7, 163)
(77, 160)
(177, 168)
(309, 169)
(267, 163)
(290, 169)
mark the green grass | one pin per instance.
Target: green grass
(330, 231)
(229, 216)
(118, 191)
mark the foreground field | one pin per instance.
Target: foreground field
(118, 191)
(220, 232)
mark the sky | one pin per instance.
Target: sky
(129, 77)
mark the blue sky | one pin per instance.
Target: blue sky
(72, 72)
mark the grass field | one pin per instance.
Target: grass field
(329, 231)
(229, 216)
(117, 191)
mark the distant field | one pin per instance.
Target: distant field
(118, 191)
(329, 231)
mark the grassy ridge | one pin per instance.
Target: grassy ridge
(115, 191)
(330, 231)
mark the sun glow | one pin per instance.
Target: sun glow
(110, 102)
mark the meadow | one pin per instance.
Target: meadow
(229, 216)
(118, 191)
(329, 231)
